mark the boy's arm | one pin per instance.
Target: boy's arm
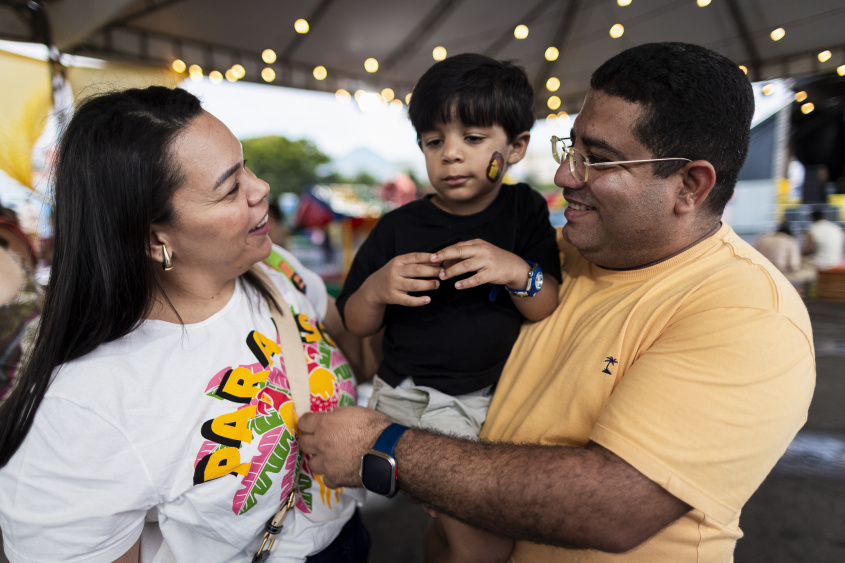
(390, 285)
(494, 265)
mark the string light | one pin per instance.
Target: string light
(552, 84)
(702, 3)
(521, 31)
(239, 71)
(554, 102)
(824, 56)
(743, 68)
(301, 26)
(617, 30)
(371, 65)
(439, 53)
(807, 108)
(800, 96)
(388, 94)
(840, 70)
(231, 76)
(268, 74)
(408, 99)
(215, 76)
(268, 56)
(768, 89)
(552, 54)
(777, 34)
(623, 2)
(343, 96)
(179, 66)
(320, 72)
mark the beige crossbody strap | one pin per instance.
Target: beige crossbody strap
(297, 373)
(292, 353)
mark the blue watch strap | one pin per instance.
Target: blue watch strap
(387, 441)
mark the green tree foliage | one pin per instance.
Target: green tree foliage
(288, 166)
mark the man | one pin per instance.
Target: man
(644, 412)
(823, 242)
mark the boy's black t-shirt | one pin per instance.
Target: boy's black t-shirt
(459, 342)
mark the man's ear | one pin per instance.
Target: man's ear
(518, 147)
(697, 180)
(157, 239)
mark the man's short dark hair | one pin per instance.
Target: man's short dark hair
(476, 90)
(817, 215)
(698, 105)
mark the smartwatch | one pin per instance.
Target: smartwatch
(535, 282)
(378, 466)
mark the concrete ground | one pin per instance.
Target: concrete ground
(797, 515)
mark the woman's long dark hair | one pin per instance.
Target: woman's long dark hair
(115, 176)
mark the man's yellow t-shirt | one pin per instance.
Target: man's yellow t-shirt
(697, 371)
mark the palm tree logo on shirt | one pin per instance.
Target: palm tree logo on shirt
(610, 360)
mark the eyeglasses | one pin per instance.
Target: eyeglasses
(579, 164)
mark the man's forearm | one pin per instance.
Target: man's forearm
(572, 497)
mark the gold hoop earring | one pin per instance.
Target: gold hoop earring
(166, 264)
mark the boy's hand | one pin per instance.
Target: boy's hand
(391, 284)
(490, 263)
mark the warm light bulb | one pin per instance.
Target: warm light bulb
(215, 76)
(617, 30)
(551, 117)
(768, 89)
(231, 76)
(371, 65)
(439, 53)
(268, 74)
(778, 34)
(179, 65)
(342, 96)
(623, 2)
(358, 94)
(743, 68)
(396, 104)
(554, 102)
(552, 54)
(702, 3)
(388, 94)
(408, 99)
(840, 70)
(301, 26)
(824, 56)
(239, 71)
(800, 96)
(807, 108)
(268, 56)
(552, 84)
(193, 69)
(320, 72)
(520, 31)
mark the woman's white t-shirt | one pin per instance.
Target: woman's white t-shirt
(187, 425)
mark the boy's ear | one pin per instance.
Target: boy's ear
(518, 147)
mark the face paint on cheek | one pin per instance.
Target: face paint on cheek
(496, 167)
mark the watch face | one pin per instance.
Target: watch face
(538, 281)
(378, 473)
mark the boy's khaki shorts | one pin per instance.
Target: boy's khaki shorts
(425, 407)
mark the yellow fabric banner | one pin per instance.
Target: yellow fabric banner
(25, 100)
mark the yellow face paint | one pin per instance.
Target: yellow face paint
(496, 167)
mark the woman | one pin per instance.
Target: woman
(153, 393)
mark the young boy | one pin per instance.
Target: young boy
(452, 276)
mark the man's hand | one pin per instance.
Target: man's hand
(490, 263)
(337, 440)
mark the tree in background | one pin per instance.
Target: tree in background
(288, 166)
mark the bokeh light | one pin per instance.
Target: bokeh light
(301, 26)
(268, 74)
(520, 31)
(553, 103)
(371, 65)
(439, 53)
(617, 31)
(552, 54)
(777, 34)
(268, 56)
(320, 72)
(552, 84)
(179, 65)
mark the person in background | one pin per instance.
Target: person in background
(824, 242)
(635, 421)
(782, 249)
(153, 420)
(450, 322)
(278, 230)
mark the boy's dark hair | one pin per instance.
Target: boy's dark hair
(697, 105)
(475, 90)
(816, 215)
